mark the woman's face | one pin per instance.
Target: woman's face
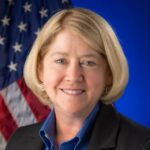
(74, 75)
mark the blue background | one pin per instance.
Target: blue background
(131, 21)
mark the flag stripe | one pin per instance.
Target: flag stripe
(17, 105)
(7, 123)
(40, 111)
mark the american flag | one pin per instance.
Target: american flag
(20, 23)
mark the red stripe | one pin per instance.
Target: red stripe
(7, 123)
(39, 110)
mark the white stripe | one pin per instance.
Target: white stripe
(2, 142)
(17, 105)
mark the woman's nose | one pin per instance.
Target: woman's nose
(74, 73)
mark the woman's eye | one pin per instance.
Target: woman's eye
(88, 63)
(60, 61)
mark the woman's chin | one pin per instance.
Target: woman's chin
(73, 111)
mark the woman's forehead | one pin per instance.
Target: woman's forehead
(67, 42)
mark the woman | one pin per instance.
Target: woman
(77, 66)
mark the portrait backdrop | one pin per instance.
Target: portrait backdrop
(131, 21)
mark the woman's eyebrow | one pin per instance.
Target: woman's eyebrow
(92, 55)
(59, 53)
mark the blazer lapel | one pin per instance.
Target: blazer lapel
(34, 144)
(32, 140)
(105, 130)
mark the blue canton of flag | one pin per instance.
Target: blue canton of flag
(20, 23)
(21, 20)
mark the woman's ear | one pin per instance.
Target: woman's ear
(109, 79)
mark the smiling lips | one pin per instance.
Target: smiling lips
(73, 91)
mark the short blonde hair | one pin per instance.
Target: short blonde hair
(96, 32)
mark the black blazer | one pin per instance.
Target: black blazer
(111, 131)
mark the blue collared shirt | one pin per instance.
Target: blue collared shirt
(79, 142)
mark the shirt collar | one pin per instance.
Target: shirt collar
(88, 123)
(47, 131)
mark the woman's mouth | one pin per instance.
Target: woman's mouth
(73, 91)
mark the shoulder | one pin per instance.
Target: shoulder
(23, 136)
(133, 127)
(113, 130)
(132, 134)
(27, 130)
(126, 126)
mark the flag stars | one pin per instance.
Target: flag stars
(22, 26)
(64, 1)
(12, 66)
(5, 21)
(2, 40)
(11, 2)
(43, 12)
(37, 32)
(27, 7)
(17, 47)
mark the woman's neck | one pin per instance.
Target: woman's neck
(67, 127)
